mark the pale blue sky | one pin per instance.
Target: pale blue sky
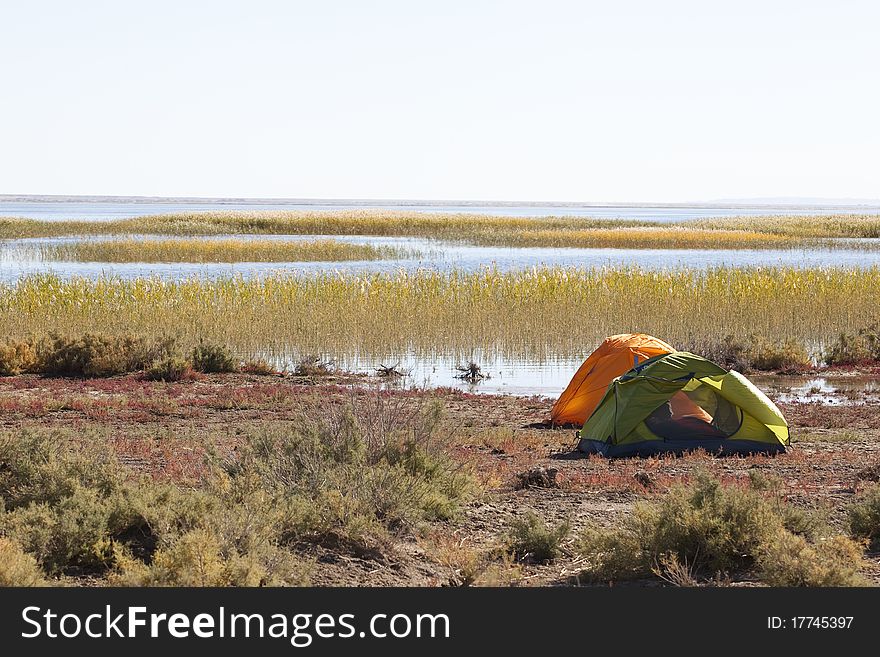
(546, 100)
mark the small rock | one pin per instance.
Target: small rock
(537, 477)
(645, 479)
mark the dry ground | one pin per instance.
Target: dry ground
(164, 429)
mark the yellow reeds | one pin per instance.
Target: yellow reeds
(539, 313)
(227, 250)
(733, 232)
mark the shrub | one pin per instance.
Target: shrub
(16, 357)
(16, 567)
(791, 356)
(259, 367)
(530, 538)
(213, 359)
(347, 479)
(864, 516)
(93, 355)
(170, 368)
(715, 529)
(786, 559)
(728, 352)
(858, 349)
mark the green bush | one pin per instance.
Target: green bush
(716, 529)
(529, 538)
(213, 359)
(170, 368)
(864, 516)
(93, 355)
(859, 349)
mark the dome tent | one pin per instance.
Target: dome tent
(614, 357)
(677, 402)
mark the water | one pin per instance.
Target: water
(829, 391)
(106, 210)
(548, 379)
(21, 257)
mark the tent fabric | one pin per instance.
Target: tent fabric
(678, 402)
(614, 357)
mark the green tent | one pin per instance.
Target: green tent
(677, 402)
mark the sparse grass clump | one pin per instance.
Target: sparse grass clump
(864, 516)
(227, 250)
(530, 538)
(718, 529)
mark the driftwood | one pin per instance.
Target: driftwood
(471, 372)
(384, 370)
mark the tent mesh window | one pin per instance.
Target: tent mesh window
(696, 412)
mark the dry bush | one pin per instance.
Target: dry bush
(17, 568)
(864, 516)
(170, 368)
(530, 538)
(716, 529)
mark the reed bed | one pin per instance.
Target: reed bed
(538, 314)
(833, 225)
(227, 250)
(734, 233)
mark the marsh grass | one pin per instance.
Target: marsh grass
(562, 231)
(832, 225)
(536, 314)
(228, 250)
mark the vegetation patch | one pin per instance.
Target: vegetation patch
(349, 478)
(723, 530)
(226, 250)
(534, 314)
(529, 538)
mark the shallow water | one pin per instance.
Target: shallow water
(108, 210)
(830, 391)
(549, 378)
(21, 257)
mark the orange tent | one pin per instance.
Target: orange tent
(614, 357)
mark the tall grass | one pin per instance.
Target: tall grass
(832, 225)
(538, 313)
(229, 250)
(743, 232)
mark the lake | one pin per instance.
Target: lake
(114, 209)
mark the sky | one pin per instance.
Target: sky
(631, 101)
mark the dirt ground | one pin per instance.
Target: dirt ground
(164, 429)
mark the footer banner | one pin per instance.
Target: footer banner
(430, 621)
